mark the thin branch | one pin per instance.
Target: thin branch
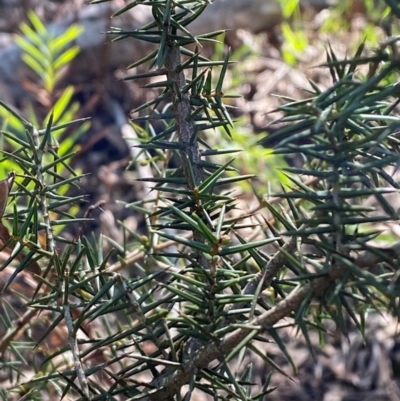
(130, 295)
(184, 124)
(75, 352)
(19, 326)
(190, 152)
(170, 383)
(38, 153)
(38, 158)
(272, 268)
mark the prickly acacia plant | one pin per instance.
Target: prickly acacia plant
(194, 304)
(110, 333)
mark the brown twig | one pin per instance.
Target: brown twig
(73, 344)
(169, 384)
(18, 327)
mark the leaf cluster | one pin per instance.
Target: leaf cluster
(198, 296)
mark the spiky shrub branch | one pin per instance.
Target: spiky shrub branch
(195, 106)
(39, 207)
(196, 302)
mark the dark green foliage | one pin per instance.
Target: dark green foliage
(197, 296)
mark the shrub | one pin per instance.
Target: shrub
(199, 294)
